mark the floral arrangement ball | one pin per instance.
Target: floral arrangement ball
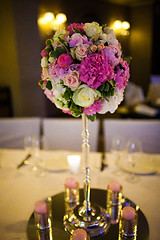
(83, 70)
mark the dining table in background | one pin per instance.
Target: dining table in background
(21, 188)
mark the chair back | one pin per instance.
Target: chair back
(66, 134)
(13, 131)
(147, 131)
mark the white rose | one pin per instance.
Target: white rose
(108, 36)
(44, 62)
(92, 29)
(58, 91)
(112, 103)
(84, 96)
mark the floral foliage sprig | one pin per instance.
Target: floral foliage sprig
(83, 70)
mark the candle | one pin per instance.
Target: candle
(74, 163)
(79, 234)
(40, 207)
(71, 183)
(114, 186)
(128, 213)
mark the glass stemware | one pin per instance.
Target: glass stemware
(117, 148)
(134, 151)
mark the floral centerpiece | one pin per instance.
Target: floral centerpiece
(83, 70)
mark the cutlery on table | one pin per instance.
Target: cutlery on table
(25, 161)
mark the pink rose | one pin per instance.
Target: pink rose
(72, 80)
(64, 60)
(81, 52)
(43, 52)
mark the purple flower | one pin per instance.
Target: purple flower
(95, 70)
(122, 74)
(77, 39)
(113, 53)
(78, 26)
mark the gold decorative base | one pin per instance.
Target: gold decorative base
(95, 221)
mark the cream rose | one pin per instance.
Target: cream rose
(72, 80)
(84, 96)
(44, 62)
(92, 28)
(81, 52)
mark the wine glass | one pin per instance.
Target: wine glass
(134, 151)
(117, 148)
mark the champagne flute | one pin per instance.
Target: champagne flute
(134, 151)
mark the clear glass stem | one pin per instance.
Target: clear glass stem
(85, 155)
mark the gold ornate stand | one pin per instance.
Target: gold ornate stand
(91, 217)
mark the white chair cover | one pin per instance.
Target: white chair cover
(65, 134)
(13, 131)
(148, 131)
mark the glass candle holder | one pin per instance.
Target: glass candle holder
(71, 194)
(42, 215)
(114, 212)
(128, 222)
(114, 194)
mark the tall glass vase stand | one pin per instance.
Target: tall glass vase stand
(91, 217)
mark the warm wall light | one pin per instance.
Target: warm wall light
(61, 18)
(48, 22)
(125, 25)
(121, 28)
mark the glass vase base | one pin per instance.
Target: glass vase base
(95, 221)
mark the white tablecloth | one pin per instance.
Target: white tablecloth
(19, 189)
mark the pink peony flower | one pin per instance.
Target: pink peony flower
(95, 70)
(77, 39)
(72, 80)
(64, 60)
(78, 26)
(94, 108)
(113, 53)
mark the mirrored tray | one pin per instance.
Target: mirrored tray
(57, 232)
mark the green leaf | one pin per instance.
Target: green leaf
(92, 117)
(67, 94)
(49, 85)
(41, 82)
(48, 42)
(66, 44)
(57, 52)
(112, 92)
(76, 30)
(76, 110)
(106, 89)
